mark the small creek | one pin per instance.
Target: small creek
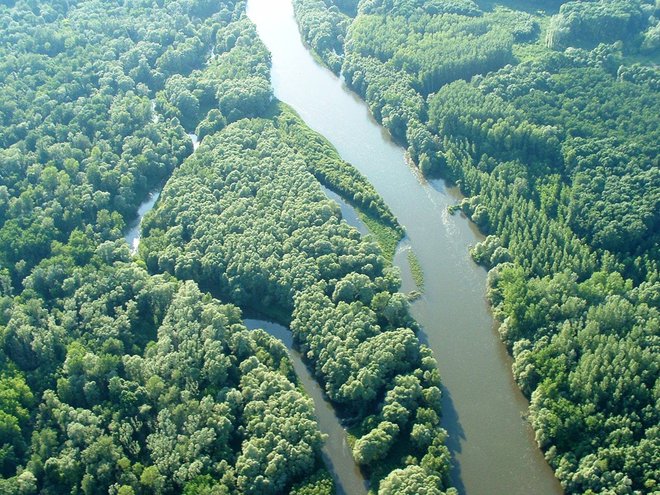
(134, 228)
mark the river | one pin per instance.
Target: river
(492, 445)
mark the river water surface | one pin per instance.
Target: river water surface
(483, 410)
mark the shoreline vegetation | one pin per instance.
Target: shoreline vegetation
(531, 114)
(342, 178)
(125, 375)
(280, 245)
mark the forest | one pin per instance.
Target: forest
(133, 375)
(263, 235)
(546, 116)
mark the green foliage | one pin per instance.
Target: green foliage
(15, 400)
(255, 173)
(284, 441)
(233, 85)
(319, 484)
(389, 92)
(490, 252)
(324, 163)
(324, 29)
(416, 270)
(413, 480)
(388, 237)
(374, 445)
(433, 49)
(651, 41)
(191, 403)
(113, 380)
(408, 8)
(80, 143)
(254, 224)
(213, 123)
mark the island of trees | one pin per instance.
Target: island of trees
(549, 122)
(135, 375)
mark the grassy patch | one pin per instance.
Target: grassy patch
(416, 270)
(387, 236)
(352, 435)
(524, 52)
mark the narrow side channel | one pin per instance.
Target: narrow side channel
(134, 231)
(336, 450)
(348, 212)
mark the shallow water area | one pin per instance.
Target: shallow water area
(348, 211)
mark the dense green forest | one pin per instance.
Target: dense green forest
(547, 116)
(135, 375)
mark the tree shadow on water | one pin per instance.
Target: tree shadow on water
(340, 489)
(452, 423)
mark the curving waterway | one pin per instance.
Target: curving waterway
(336, 451)
(483, 410)
(348, 212)
(134, 228)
